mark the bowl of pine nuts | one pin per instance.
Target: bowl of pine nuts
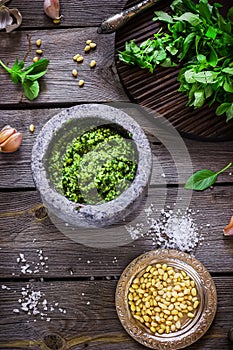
(166, 299)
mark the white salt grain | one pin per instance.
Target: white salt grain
(173, 230)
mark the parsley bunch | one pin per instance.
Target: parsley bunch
(28, 76)
(200, 39)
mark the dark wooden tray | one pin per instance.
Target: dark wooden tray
(158, 92)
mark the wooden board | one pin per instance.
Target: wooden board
(91, 321)
(158, 92)
(58, 86)
(15, 170)
(24, 228)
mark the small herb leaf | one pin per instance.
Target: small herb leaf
(203, 179)
(31, 89)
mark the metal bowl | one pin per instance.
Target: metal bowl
(192, 329)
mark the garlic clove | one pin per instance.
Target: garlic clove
(6, 133)
(228, 230)
(5, 18)
(12, 143)
(17, 15)
(52, 9)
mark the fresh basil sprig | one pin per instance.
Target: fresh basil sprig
(203, 179)
(28, 76)
(198, 38)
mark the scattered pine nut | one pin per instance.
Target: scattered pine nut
(76, 56)
(75, 73)
(79, 59)
(81, 83)
(56, 21)
(39, 52)
(87, 48)
(31, 128)
(92, 45)
(35, 59)
(38, 42)
(92, 63)
(88, 41)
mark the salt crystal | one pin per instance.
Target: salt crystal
(5, 287)
(173, 230)
(16, 311)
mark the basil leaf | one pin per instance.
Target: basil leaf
(203, 179)
(222, 108)
(163, 16)
(31, 89)
(36, 76)
(37, 67)
(230, 14)
(189, 17)
(229, 112)
(205, 10)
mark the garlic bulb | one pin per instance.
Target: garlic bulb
(10, 139)
(8, 17)
(52, 9)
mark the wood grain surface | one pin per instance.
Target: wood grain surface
(91, 320)
(25, 229)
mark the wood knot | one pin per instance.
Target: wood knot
(54, 342)
(41, 212)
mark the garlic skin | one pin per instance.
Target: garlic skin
(8, 17)
(52, 9)
(228, 230)
(10, 139)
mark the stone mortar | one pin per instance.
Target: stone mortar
(60, 130)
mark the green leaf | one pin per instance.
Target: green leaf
(189, 17)
(163, 16)
(188, 44)
(37, 67)
(35, 76)
(228, 87)
(31, 89)
(222, 108)
(206, 77)
(213, 58)
(230, 14)
(228, 71)
(205, 10)
(211, 33)
(229, 112)
(199, 98)
(189, 76)
(203, 179)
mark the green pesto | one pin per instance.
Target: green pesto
(98, 166)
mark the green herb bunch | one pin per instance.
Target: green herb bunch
(28, 76)
(200, 39)
(98, 166)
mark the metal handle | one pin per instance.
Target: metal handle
(114, 22)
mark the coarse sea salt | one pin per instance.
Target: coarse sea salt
(170, 230)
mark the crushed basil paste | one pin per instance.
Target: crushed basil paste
(98, 166)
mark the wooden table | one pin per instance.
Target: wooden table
(80, 281)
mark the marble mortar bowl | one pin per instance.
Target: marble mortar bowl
(48, 151)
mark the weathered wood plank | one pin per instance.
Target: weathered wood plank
(90, 319)
(75, 13)
(25, 229)
(58, 85)
(15, 169)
